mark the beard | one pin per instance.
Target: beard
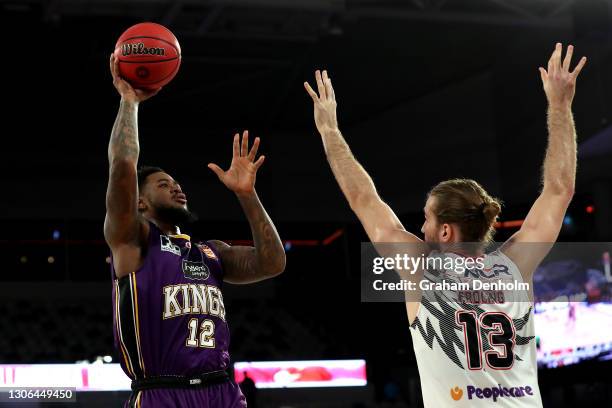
(175, 215)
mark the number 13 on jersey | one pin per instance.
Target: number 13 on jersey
(500, 333)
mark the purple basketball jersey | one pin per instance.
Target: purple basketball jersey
(169, 316)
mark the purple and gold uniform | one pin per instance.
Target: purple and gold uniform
(169, 320)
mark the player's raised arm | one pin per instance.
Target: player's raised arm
(379, 221)
(544, 221)
(266, 259)
(123, 229)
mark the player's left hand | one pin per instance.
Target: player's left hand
(559, 82)
(240, 177)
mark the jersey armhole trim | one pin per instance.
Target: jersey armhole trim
(144, 260)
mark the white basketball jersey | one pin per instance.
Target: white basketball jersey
(477, 348)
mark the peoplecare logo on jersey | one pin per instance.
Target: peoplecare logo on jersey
(492, 393)
(456, 393)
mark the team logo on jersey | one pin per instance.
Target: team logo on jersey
(168, 246)
(456, 393)
(207, 251)
(195, 270)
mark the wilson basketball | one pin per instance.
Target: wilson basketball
(149, 55)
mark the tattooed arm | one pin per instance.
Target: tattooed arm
(123, 228)
(266, 259)
(244, 264)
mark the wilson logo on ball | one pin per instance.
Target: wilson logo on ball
(140, 49)
(148, 55)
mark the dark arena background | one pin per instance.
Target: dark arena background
(427, 90)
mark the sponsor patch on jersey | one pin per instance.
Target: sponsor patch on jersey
(492, 393)
(168, 246)
(207, 251)
(195, 270)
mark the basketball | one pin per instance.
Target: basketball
(149, 55)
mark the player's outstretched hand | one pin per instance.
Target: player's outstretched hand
(126, 91)
(240, 177)
(324, 103)
(559, 82)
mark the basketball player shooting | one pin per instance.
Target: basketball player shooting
(470, 354)
(169, 317)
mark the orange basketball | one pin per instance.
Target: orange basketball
(149, 55)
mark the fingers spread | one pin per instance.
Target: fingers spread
(253, 151)
(245, 143)
(333, 92)
(236, 146)
(328, 87)
(579, 67)
(259, 162)
(320, 85)
(568, 58)
(311, 92)
(216, 169)
(553, 63)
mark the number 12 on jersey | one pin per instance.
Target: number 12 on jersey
(207, 334)
(499, 331)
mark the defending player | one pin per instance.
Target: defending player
(169, 317)
(470, 354)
